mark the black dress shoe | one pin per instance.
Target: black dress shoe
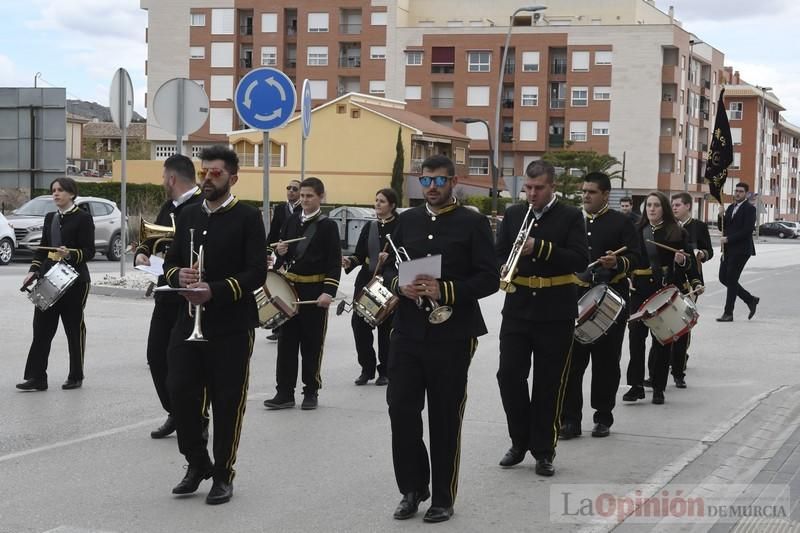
(513, 456)
(280, 401)
(409, 505)
(680, 383)
(194, 476)
(544, 467)
(634, 393)
(752, 306)
(569, 430)
(32, 384)
(438, 514)
(221, 492)
(363, 378)
(727, 318)
(382, 380)
(600, 430)
(658, 397)
(648, 383)
(72, 384)
(166, 429)
(309, 402)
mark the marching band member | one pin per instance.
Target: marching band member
(234, 265)
(179, 184)
(71, 230)
(539, 316)
(368, 249)
(607, 230)
(314, 266)
(431, 353)
(657, 268)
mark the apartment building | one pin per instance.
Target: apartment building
(615, 76)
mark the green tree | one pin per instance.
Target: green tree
(398, 177)
(572, 165)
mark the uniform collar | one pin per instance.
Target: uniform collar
(68, 210)
(656, 226)
(292, 206)
(185, 196)
(384, 221)
(446, 209)
(305, 218)
(228, 201)
(684, 222)
(548, 207)
(603, 211)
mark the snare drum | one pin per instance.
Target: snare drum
(598, 309)
(669, 314)
(375, 303)
(52, 286)
(276, 301)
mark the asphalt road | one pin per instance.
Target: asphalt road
(77, 461)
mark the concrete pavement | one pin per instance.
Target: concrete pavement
(83, 460)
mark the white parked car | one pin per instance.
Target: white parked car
(8, 241)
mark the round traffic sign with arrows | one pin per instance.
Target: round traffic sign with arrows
(265, 98)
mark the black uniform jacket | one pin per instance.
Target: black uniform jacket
(361, 255)
(559, 249)
(323, 254)
(146, 247)
(739, 229)
(77, 231)
(280, 215)
(469, 272)
(699, 239)
(234, 265)
(610, 230)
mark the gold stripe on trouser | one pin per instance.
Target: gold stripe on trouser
(240, 410)
(457, 460)
(318, 377)
(83, 324)
(562, 388)
(204, 406)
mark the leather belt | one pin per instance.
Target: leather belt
(536, 282)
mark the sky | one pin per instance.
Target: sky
(78, 44)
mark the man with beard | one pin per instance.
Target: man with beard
(234, 265)
(178, 180)
(428, 355)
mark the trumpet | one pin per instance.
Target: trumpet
(509, 270)
(439, 313)
(196, 310)
(162, 234)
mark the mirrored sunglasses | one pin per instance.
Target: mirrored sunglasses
(439, 181)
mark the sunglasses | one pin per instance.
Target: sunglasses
(293, 189)
(439, 181)
(215, 172)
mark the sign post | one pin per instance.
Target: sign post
(265, 99)
(305, 111)
(121, 106)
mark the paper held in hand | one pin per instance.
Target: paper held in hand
(156, 266)
(429, 266)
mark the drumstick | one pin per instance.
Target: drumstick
(52, 248)
(309, 302)
(287, 241)
(664, 246)
(615, 252)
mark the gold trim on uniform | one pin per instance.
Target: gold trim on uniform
(562, 390)
(318, 376)
(473, 342)
(240, 410)
(300, 278)
(536, 282)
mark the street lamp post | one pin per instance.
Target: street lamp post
(762, 163)
(495, 170)
(496, 159)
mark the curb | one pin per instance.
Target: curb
(118, 292)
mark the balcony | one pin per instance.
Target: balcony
(442, 102)
(245, 62)
(443, 68)
(507, 137)
(508, 103)
(670, 74)
(558, 67)
(350, 29)
(555, 140)
(669, 109)
(558, 103)
(291, 63)
(511, 67)
(350, 62)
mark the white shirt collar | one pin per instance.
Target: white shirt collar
(185, 196)
(67, 210)
(538, 214)
(292, 206)
(304, 217)
(208, 210)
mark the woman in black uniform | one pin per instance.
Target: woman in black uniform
(70, 229)
(368, 249)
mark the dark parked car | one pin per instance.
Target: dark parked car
(779, 229)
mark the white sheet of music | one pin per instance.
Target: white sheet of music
(430, 266)
(155, 268)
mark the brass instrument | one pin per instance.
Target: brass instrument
(439, 313)
(162, 234)
(509, 270)
(196, 310)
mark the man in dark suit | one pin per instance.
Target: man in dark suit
(737, 247)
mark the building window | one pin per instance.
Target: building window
(196, 151)
(355, 113)
(341, 109)
(269, 56)
(477, 131)
(377, 87)
(378, 19)
(602, 93)
(577, 131)
(269, 22)
(603, 58)
(735, 110)
(478, 96)
(580, 96)
(413, 59)
(479, 61)
(319, 89)
(197, 52)
(530, 96)
(317, 56)
(737, 161)
(479, 165)
(529, 130)
(580, 61)
(377, 52)
(318, 22)
(220, 120)
(600, 128)
(222, 21)
(736, 135)
(413, 92)
(530, 61)
(197, 19)
(221, 88)
(163, 151)
(460, 156)
(222, 55)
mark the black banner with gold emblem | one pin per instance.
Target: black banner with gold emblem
(720, 153)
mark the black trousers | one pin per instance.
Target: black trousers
(437, 370)
(533, 417)
(637, 343)
(161, 323)
(677, 360)
(362, 333)
(304, 332)
(221, 368)
(662, 355)
(605, 355)
(69, 308)
(730, 270)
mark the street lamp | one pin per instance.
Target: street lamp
(762, 163)
(496, 159)
(495, 170)
(686, 165)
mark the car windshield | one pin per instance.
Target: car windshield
(38, 207)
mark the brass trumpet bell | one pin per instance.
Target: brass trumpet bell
(161, 234)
